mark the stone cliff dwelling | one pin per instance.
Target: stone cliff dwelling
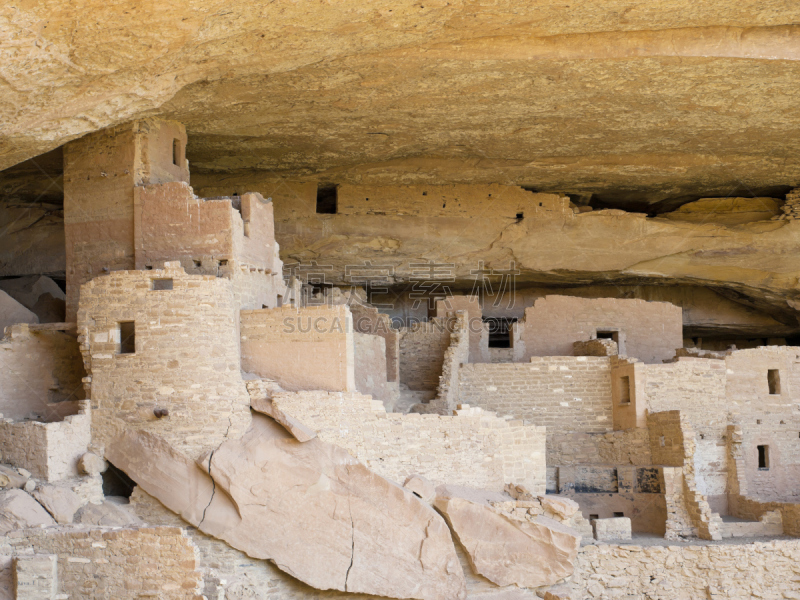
(398, 333)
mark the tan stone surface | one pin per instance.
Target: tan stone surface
(427, 92)
(360, 533)
(265, 406)
(528, 553)
(19, 510)
(91, 464)
(12, 312)
(59, 500)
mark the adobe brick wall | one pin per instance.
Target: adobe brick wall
(186, 358)
(649, 331)
(119, 563)
(472, 447)
(563, 393)
(308, 348)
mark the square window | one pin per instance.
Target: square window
(327, 198)
(162, 284)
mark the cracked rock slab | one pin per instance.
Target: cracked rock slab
(310, 507)
(19, 511)
(531, 553)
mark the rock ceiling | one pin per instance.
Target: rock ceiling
(641, 103)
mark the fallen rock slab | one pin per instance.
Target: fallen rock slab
(528, 553)
(18, 510)
(111, 513)
(60, 501)
(310, 507)
(302, 433)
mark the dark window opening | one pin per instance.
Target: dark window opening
(198, 263)
(774, 381)
(223, 262)
(127, 337)
(176, 152)
(619, 514)
(426, 193)
(279, 301)
(625, 390)
(763, 457)
(162, 284)
(594, 517)
(608, 335)
(327, 197)
(500, 331)
(520, 216)
(117, 483)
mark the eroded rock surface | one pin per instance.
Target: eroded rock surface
(529, 553)
(19, 511)
(358, 533)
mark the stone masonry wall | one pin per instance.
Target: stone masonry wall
(565, 394)
(422, 349)
(649, 331)
(50, 451)
(688, 572)
(764, 419)
(308, 348)
(367, 319)
(116, 563)
(38, 368)
(186, 358)
(370, 367)
(100, 173)
(472, 448)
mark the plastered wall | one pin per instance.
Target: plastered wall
(310, 348)
(472, 447)
(186, 358)
(649, 331)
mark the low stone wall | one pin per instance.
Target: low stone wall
(104, 563)
(629, 447)
(726, 570)
(50, 451)
(38, 368)
(564, 393)
(471, 448)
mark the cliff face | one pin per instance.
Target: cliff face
(630, 100)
